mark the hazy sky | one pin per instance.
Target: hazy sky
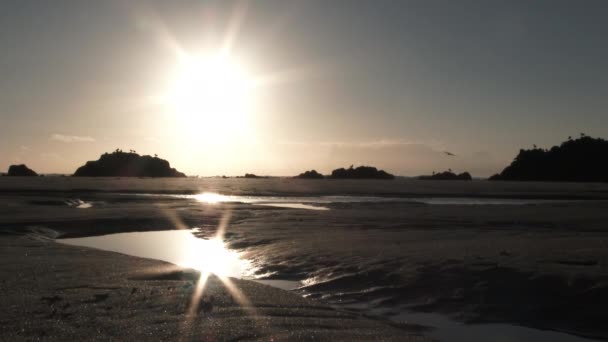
(387, 83)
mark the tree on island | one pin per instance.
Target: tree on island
(361, 172)
(312, 174)
(447, 175)
(127, 164)
(251, 175)
(575, 160)
(21, 171)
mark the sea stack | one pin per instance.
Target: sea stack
(21, 171)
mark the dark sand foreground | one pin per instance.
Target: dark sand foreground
(541, 265)
(56, 292)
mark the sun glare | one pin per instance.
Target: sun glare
(211, 198)
(211, 96)
(212, 256)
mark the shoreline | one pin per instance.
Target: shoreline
(403, 188)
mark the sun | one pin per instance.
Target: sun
(211, 96)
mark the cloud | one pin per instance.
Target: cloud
(368, 144)
(50, 156)
(71, 138)
(372, 144)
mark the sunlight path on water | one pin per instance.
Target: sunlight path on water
(321, 202)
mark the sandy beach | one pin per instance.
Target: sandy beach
(56, 292)
(535, 256)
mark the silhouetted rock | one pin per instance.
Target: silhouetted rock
(21, 171)
(579, 160)
(361, 172)
(312, 174)
(127, 164)
(447, 175)
(251, 175)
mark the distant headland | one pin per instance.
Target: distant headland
(447, 175)
(575, 160)
(127, 164)
(21, 171)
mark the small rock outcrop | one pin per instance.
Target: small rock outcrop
(21, 171)
(251, 175)
(447, 175)
(127, 164)
(361, 172)
(312, 174)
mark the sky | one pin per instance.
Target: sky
(393, 84)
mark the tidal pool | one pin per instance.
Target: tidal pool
(182, 248)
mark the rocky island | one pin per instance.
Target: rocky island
(21, 171)
(447, 175)
(361, 172)
(252, 176)
(312, 174)
(127, 164)
(575, 160)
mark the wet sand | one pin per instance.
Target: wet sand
(57, 292)
(543, 266)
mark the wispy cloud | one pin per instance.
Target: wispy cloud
(71, 138)
(50, 156)
(371, 144)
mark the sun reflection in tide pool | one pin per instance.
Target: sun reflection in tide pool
(212, 256)
(179, 247)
